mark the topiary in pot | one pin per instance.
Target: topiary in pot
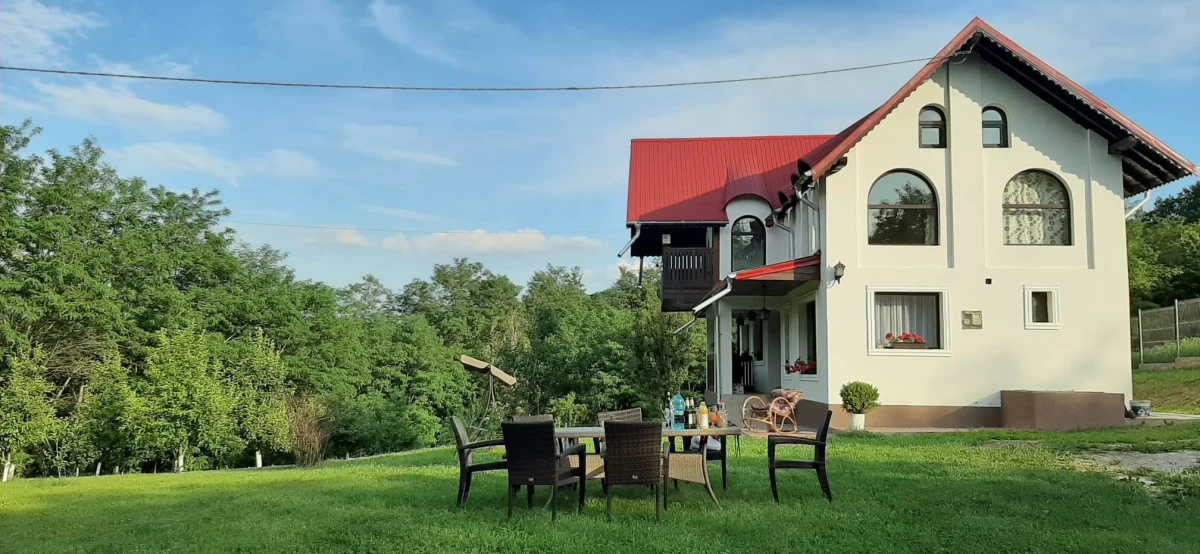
(858, 398)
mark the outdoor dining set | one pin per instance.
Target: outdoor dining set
(626, 451)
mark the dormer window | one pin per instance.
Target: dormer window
(932, 123)
(995, 128)
(749, 239)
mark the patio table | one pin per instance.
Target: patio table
(685, 466)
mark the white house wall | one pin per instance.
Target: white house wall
(1090, 350)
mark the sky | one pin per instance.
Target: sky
(514, 180)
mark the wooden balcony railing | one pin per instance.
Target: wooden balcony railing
(689, 269)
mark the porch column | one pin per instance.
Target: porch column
(724, 346)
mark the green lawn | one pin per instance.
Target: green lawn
(949, 493)
(1169, 391)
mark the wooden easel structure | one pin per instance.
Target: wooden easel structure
(479, 425)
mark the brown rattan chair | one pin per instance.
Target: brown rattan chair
(534, 459)
(466, 468)
(632, 414)
(634, 458)
(819, 444)
(541, 418)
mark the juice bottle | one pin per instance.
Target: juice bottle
(703, 416)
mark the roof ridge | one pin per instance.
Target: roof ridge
(747, 137)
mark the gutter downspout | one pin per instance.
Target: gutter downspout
(728, 288)
(816, 211)
(792, 242)
(1145, 200)
(637, 232)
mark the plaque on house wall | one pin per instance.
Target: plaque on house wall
(972, 319)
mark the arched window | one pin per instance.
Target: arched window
(902, 209)
(749, 239)
(1037, 209)
(995, 128)
(933, 127)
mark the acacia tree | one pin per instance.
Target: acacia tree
(112, 417)
(26, 415)
(190, 404)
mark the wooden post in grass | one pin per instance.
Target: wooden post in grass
(1177, 329)
(1141, 347)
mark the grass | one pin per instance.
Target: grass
(947, 493)
(1166, 353)
(1175, 391)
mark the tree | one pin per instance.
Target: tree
(190, 405)
(112, 417)
(663, 361)
(26, 415)
(257, 372)
(1185, 206)
(472, 308)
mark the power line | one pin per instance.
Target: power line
(463, 89)
(408, 231)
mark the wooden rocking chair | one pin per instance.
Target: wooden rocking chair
(778, 416)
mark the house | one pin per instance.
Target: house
(981, 208)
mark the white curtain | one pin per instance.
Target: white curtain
(1042, 225)
(907, 313)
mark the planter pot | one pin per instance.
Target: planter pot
(858, 422)
(909, 345)
(1140, 408)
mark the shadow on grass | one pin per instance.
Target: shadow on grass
(888, 496)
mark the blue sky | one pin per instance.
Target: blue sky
(515, 180)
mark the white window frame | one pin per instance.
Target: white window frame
(943, 307)
(1055, 302)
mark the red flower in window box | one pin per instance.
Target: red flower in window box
(905, 340)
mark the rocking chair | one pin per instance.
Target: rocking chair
(778, 416)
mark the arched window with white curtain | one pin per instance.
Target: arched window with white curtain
(1037, 210)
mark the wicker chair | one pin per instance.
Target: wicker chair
(466, 468)
(760, 417)
(819, 445)
(632, 414)
(534, 459)
(635, 458)
(542, 418)
(711, 456)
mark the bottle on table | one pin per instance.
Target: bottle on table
(678, 406)
(702, 416)
(668, 413)
(690, 415)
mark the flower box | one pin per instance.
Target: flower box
(909, 345)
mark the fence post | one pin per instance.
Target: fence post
(1141, 348)
(1177, 329)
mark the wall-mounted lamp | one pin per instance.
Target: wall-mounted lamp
(839, 271)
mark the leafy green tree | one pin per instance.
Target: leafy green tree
(112, 417)
(190, 404)
(472, 308)
(1184, 206)
(257, 372)
(26, 416)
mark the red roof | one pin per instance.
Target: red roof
(820, 160)
(692, 179)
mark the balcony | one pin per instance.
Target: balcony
(687, 275)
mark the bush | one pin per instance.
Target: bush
(311, 427)
(859, 397)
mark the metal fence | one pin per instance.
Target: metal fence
(1162, 335)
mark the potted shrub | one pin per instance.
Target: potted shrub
(858, 398)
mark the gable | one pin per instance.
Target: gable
(1145, 161)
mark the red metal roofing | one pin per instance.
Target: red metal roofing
(692, 179)
(781, 267)
(821, 159)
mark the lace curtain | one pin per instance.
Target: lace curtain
(1036, 210)
(898, 313)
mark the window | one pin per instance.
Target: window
(995, 128)
(749, 244)
(908, 313)
(901, 209)
(1041, 307)
(1037, 210)
(932, 124)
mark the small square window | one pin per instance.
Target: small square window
(1041, 308)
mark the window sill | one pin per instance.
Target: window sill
(809, 378)
(1031, 326)
(903, 353)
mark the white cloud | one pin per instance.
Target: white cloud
(161, 65)
(525, 241)
(614, 271)
(285, 163)
(400, 25)
(174, 157)
(119, 106)
(400, 213)
(317, 26)
(388, 143)
(350, 237)
(36, 34)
